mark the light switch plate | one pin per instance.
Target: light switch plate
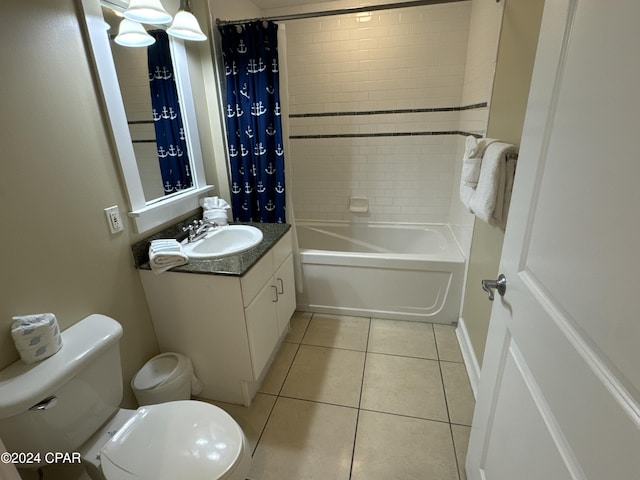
(113, 219)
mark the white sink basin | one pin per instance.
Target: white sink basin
(223, 241)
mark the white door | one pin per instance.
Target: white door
(560, 385)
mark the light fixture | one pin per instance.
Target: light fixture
(185, 25)
(147, 11)
(132, 34)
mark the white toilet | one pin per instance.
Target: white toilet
(70, 403)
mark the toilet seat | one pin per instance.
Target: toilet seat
(181, 439)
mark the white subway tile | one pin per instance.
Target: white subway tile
(401, 59)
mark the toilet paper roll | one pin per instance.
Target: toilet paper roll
(36, 336)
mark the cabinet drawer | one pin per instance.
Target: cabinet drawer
(282, 249)
(255, 278)
(262, 272)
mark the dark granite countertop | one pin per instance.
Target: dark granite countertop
(235, 265)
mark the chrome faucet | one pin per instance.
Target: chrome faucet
(198, 229)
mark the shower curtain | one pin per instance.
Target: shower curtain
(254, 128)
(284, 98)
(167, 118)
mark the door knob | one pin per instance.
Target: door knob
(500, 284)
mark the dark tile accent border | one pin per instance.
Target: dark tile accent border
(474, 106)
(389, 134)
(390, 112)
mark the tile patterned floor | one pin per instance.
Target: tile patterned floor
(361, 399)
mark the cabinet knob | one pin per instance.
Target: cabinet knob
(275, 289)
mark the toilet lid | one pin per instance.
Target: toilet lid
(182, 439)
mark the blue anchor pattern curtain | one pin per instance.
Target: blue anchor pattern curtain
(254, 128)
(170, 135)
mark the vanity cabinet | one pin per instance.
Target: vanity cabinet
(268, 312)
(230, 326)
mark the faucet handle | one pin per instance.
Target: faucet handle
(191, 231)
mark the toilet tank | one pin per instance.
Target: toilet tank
(57, 404)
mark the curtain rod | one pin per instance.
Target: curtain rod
(342, 11)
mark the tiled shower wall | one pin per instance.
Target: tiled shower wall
(374, 112)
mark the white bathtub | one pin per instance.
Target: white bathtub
(401, 272)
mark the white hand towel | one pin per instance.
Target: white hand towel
(165, 254)
(215, 215)
(492, 196)
(474, 149)
(214, 202)
(471, 163)
(36, 336)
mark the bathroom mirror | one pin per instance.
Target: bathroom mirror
(149, 205)
(134, 80)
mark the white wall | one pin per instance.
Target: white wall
(411, 58)
(518, 43)
(59, 173)
(480, 66)
(233, 10)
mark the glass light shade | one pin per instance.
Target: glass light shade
(186, 26)
(147, 11)
(132, 34)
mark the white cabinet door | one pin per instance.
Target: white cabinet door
(262, 327)
(559, 394)
(285, 284)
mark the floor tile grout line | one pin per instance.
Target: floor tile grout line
(396, 414)
(444, 390)
(404, 415)
(377, 353)
(435, 340)
(355, 433)
(333, 348)
(284, 380)
(359, 406)
(404, 356)
(351, 407)
(264, 427)
(435, 336)
(452, 361)
(455, 451)
(458, 424)
(446, 402)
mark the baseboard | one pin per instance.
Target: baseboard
(469, 356)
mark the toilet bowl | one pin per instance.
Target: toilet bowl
(70, 403)
(181, 439)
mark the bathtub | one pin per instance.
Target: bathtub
(392, 271)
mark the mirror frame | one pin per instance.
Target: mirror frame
(145, 214)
